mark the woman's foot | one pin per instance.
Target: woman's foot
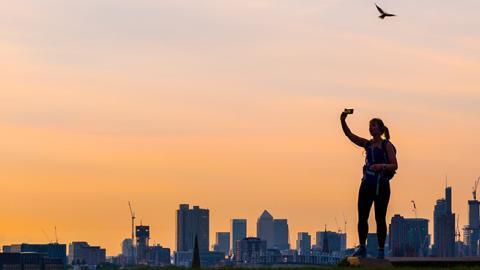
(361, 252)
(381, 254)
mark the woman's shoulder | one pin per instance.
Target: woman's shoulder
(387, 143)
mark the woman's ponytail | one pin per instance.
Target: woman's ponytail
(386, 132)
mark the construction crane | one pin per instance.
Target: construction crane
(132, 214)
(414, 208)
(345, 224)
(46, 235)
(339, 228)
(474, 189)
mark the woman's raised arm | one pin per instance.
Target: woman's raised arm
(362, 142)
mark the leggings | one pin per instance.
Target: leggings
(366, 197)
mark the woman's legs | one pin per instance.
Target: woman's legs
(366, 196)
(381, 204)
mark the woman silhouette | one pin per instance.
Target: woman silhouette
(380, 166)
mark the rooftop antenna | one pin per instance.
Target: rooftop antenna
(457, 233)
(345, 224)
(56, 236)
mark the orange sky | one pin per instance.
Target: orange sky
(230, 106)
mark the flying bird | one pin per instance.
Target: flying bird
(383, 14)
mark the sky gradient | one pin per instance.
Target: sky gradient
(230, 105)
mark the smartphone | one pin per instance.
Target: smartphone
(348, 111)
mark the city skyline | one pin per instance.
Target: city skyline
(196, 213)
(231, 106)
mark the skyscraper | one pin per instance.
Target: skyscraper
(222, 243)
(408, 237)
(444, 226)
(239, 231)
(304, 243)
(265, 228)
(280, 234)
(191, 222)
(142, 234)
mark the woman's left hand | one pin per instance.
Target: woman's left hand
(376, 167)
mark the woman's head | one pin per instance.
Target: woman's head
(378, 128)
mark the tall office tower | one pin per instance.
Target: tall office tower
(238, 231)
(265, 228)
(408, 237)
(222, 243)
(444, 227)
(142, 234)
(304, 244)
(280, 234)
(191, 222)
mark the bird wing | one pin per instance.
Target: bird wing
(379, 9)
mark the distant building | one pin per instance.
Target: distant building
(333, 239)
(128, 251)
(444, 227)
(304, 244)
(29, 261)
(142, 234)
(53, 250)
(191, 222)
(251, 250)
(280, 234)
(265, 229)
(207, 259)
(408, 237)
(222, 243)
(471, 232)
(158, 256)
(81, 253)
(372, 244)
(238, 232)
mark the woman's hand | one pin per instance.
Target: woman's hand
(376, 167)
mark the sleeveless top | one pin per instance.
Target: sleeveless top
(374, 155)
